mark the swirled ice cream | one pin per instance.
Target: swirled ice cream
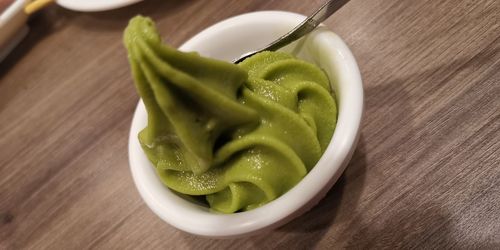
(240, 135)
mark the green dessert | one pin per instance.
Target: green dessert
(238, 135)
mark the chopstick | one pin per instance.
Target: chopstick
(35, 5)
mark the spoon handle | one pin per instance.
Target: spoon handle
(308, 25)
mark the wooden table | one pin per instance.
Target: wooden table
(426, 173)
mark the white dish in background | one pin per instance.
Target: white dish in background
(94, 5)
(228, 40)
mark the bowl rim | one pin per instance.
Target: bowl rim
(308, 191)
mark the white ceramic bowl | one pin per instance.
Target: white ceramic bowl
(227, 40)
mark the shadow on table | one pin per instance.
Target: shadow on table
(418, 226)
(308, 229)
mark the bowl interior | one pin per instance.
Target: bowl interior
(227, 40)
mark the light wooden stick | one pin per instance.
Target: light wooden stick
(36, 5)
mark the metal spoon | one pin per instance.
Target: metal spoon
(300, 30)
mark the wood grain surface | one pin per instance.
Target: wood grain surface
(426, 172)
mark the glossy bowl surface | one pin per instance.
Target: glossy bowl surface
(227, 40)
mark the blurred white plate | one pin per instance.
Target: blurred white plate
(94, 5)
